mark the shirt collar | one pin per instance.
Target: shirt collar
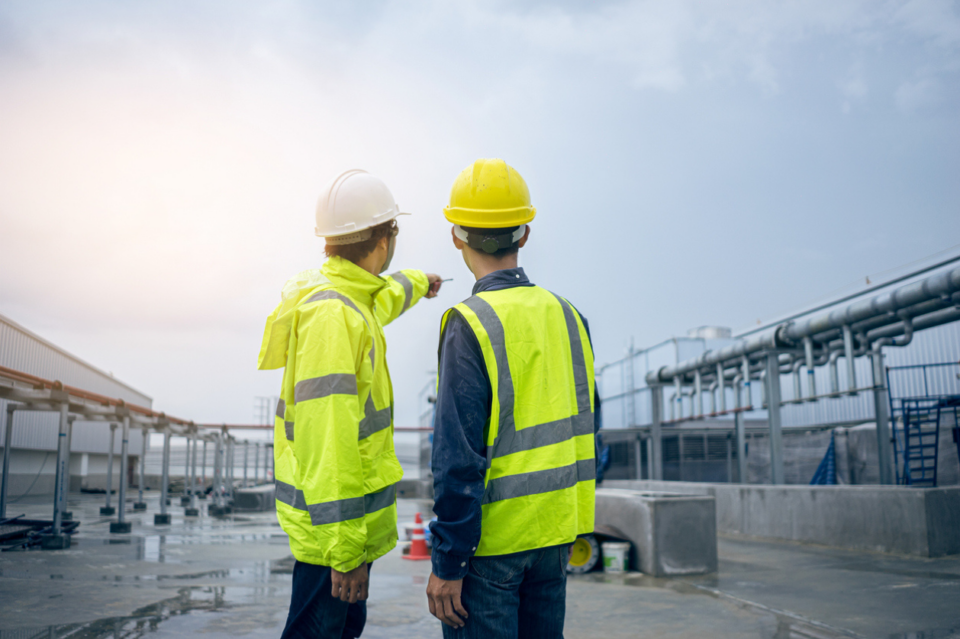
(506, 278)
(359, 284)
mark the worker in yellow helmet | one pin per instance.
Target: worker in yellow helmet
(514, 432)
(334, 462)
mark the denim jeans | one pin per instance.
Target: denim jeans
(521, 596)
(315, 614)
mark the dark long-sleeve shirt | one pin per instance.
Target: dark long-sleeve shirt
(464, 399)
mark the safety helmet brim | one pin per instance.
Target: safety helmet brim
(490, 219)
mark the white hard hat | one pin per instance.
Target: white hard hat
(351, 204)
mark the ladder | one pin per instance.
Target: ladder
(916, 441)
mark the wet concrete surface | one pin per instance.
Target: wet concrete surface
(230, 577)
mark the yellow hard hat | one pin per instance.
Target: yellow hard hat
(489, 194)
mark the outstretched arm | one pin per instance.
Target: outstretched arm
(404, 289)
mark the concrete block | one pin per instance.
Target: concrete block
(55, 542)
(191, 512)
(107, 511)
(255, 499)
(162, 520)
(219, 511)
(923, 522)
(120, 527)
(672, 534)
(139, 506)
(184, 500)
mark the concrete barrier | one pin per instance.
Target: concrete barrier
(923, 522)
(255, 499)
(672, 534)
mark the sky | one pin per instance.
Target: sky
(692, 163)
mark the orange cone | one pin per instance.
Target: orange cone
(418, 547)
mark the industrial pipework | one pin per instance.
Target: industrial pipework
(860, 328)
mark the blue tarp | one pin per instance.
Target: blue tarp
(826, 474)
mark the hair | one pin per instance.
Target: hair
(513, 249)
(359, 250)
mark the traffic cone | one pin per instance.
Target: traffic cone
(418, 547)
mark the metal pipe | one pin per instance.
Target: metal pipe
(59, 486)
(698, 389)
(773, 417)
(723, 390)
(763, 386)
(797, 389)
(655, 444)
(740, 428)
(834, 374)
(679, 393)
(113, 443)
(7, 446)
(811, 378)
(165, 472)
(941, 286)
(745, 373)
(848, 356)
(122, 485)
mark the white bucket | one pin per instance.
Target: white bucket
(616, 555)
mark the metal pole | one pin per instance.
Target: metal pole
(637, 454)
(741, 434)
(655, 461)
(107, 509)
(256, 464)
(773, 417)
(121, 526)
(193, 469)
(203, 472)
(7, 441)
(649, 442)
(217, 472)
(163, 517)
(246, 455)
(141, 505)
(59, 487)
(881, 409)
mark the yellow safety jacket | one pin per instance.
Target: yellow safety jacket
(541, 468)
(334, 462)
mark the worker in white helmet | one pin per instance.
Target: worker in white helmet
(335, 467)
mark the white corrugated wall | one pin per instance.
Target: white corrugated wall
(24, 351)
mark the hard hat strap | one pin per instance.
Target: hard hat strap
(492, 241)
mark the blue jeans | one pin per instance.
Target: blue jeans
(521, 596)
(315, 614)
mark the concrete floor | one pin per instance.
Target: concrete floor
(231, 578)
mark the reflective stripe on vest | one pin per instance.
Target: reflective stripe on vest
(333, 512)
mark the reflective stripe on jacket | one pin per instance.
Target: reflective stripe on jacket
(335, 466)
(541, 472)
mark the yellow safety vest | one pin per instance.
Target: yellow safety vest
(541, 469)
(335, 467)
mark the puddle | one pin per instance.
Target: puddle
(191, 600)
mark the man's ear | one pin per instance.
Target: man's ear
(457, 242)
(526, 234)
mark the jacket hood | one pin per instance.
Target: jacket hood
(276, 334)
